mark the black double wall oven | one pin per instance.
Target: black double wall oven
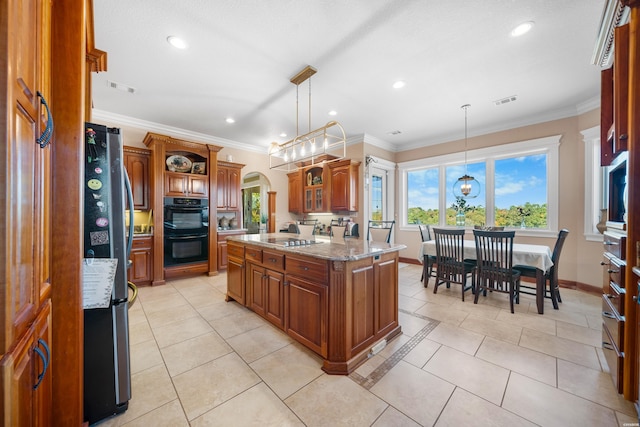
(186, 230)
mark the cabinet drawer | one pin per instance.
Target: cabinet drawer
(614, 359)
(615, 244)
(310, 269)
(615, 268)
(613, 322)
(141, 243)
(253, 254)
(273, 260)
(616, 296)
(235, 250)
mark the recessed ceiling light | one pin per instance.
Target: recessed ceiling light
(333, 112)
(177, 42)
(521, 29)
(230, 120)
(283, 135)
(399, 84)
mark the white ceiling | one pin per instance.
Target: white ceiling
(242, 54)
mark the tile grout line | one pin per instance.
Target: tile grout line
(377, 374)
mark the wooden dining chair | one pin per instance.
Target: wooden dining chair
(380, 231)
(494, 264)
(551, 276)
(428, 261)
(451, 267)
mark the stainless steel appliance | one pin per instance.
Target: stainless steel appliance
(186, 230)
(107, 377)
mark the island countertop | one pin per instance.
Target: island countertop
(334, 249)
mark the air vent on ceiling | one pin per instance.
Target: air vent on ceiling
(394, 132)
(505, 100)
(120, 86)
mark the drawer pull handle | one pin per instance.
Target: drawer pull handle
(45, 360)
(305, 268)
(604, 263)
(609, 315)
(272, 260)
(609, 243)
(44, 139)
(607, 346)
(613, 271)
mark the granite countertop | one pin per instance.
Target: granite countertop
(347, 249)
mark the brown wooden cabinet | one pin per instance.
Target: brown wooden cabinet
(141, 270)
(228, 198)
(235, 273)
(338, 309)
(25, 337)
(308, 311)
(265, 285)
(136, 162)
(344, 181)
(295, 192)
(223, 257)
(314, 190)
(178, 184)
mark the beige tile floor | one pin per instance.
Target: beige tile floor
(198, 360)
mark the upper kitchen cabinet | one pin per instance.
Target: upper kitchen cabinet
(344, 185)
(295, 192)
(314, 190)
(228, 198)
(136, 162)
(332, 188)
(614, 100)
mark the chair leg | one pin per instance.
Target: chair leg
(554, 294)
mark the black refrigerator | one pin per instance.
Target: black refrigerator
(107, 376)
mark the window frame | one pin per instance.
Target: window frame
(595, 194)
(547, 145)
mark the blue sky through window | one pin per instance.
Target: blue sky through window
(520, 180)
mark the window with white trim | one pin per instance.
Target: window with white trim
(519, 187)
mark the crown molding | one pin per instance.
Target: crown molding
(153, 127)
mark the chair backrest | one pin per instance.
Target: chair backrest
(338, 230)
(450, 254)
(380, 231)
(555, 256)
(425, 232)
(494, 252)
(306, 230)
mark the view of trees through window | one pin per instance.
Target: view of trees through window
(519, 193)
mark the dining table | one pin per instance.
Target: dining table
(538, 256)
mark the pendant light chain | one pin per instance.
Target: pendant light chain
(465, 106)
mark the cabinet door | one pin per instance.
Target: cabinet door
(295, 192)
(340, 188)
(233, 189)
(141, 268)
(43, 394)
(137, 166)
(255, 286)
(198, 186)
(386, 288)
(235, 280)
(223, 185)
(308, 200)
(307, 313)
(274, 298)
(363, 300)
(318, 200)
(17, 380)
(175, 184)
(222, 255)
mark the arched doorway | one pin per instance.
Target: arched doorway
(254, 201)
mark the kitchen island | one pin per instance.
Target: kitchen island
(338, 297)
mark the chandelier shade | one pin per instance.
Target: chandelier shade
(466, 186)
(325, 144)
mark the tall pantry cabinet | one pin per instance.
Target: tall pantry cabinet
(25, 201)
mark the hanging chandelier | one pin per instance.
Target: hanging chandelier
(325, 144)
(466, 186)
